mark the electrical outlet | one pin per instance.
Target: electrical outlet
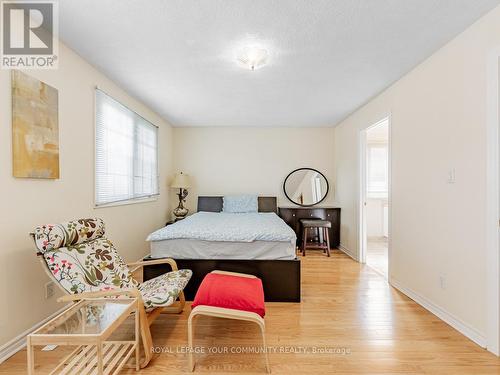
(442, 282)
(50, 289)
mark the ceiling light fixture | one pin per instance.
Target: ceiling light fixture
(252, 57)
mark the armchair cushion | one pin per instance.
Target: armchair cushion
(163, 290)
(89, 267)
(54, 236)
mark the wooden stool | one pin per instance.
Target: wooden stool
(322, 225)
(229, 295)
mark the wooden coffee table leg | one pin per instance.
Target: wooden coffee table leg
(31, 358)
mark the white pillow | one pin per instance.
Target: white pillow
(240, 203)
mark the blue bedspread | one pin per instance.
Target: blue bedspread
(240, 227)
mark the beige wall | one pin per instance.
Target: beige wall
(27, 202)
(438, 114)
(251, 160)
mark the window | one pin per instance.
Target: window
(126, 145)
(377, 171)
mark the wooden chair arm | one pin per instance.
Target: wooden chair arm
(143, 263)
(100, 294)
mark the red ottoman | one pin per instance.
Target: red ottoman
(229, 295)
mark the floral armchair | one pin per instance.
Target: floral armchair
(85, 264)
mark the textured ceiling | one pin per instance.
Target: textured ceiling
(327, 57)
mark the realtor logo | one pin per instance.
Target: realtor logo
(29, 34)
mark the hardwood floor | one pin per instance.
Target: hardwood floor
(377, 255)
(347, 308)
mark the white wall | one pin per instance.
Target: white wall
(251, 160)
(25, 203)
(438, 118)
(375, 217)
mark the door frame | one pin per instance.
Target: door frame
(492, 204)
(362, 240)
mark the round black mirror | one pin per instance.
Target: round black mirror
(306, 186)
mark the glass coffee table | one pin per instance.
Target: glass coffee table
(88, 324)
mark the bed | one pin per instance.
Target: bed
(219, 235)
(260, 243)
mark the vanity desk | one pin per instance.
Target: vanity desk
(306, 188)
(292, 216)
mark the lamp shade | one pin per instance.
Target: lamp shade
(181, 181)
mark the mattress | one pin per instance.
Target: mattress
(201, 249)
(210, 235)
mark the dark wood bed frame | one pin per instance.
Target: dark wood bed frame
(280, 278)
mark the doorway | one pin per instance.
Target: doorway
(375, 188)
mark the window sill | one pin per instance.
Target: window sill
(127, 202)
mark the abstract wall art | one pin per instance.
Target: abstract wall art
(35, 128)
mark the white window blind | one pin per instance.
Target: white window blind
(377, 171)
(126, 145)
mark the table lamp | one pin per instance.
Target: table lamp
(182, 182)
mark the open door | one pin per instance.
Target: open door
(375, 196)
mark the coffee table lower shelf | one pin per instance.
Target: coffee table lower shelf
(84, 359)
(88, 326)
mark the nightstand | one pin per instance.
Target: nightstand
(173, 221)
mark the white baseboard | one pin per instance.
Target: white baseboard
(448, 318)
(442, 314)
(347, 251)
(18, 343)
